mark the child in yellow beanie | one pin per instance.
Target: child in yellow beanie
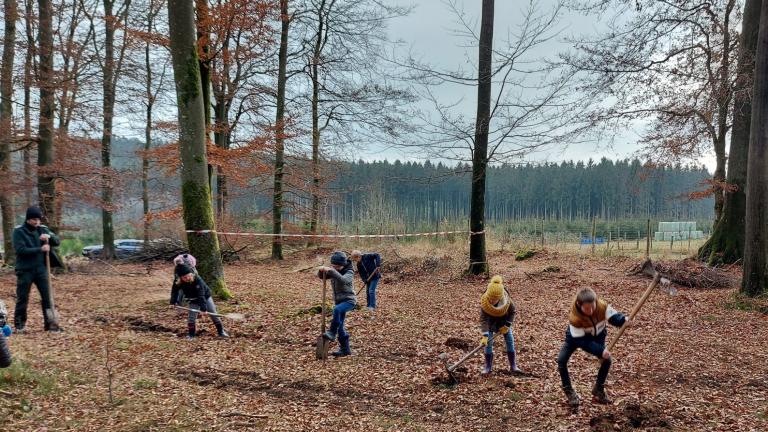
(496, 315)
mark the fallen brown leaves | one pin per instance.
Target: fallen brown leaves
(689, 363)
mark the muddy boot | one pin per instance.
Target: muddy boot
(488, 364)
(513, 363)
(191, 330)
(599, 396)
(220, 330)
(573, 398)
(344, 349)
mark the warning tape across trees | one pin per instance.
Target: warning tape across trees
(247, 234)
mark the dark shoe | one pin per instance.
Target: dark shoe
(55, 329)
(599, 396)
(191, 330)
(573, 398)
(512, 363)
(223, 334)
(488, 364)
(220, 330)
(344, 349)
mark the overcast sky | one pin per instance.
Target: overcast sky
(428, 31)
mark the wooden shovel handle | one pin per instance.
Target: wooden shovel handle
(636, 309)
(322, 314)
(465, 358)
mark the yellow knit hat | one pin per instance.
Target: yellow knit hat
(495, 294)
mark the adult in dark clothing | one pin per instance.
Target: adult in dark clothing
(341, 274)
(192, 287)
(32, 241)
(369, 269)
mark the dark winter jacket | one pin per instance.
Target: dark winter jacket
(5, 352)
(342, 281)
(492, 324)
(197, 292)
(367, 267)
(27, 244)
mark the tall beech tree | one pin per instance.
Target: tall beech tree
(195, 189)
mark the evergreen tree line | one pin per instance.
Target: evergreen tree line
(414, 193)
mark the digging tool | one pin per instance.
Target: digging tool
(450, 369)
(50, 313)
(376, 270)
(649, 270)
(232, 316)
(322, 344)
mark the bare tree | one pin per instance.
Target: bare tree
(46, 185)
(196, 193)
(10, 12)
(755, 278)
(670, 62)
(280, 118)
(523, 104)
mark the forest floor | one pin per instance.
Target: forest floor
(694, 361)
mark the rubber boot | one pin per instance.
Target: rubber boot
(512, 363)
(220, 330)
(191, 330)
(573, 398)
(599, 396)
(488, 363)
(344, 349)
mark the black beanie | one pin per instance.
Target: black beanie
(183, 269)
(34, 213)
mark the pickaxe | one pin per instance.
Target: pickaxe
(647, 269)
(450, 369)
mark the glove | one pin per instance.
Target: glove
(7, 331)
(504, 330)
(484, 340)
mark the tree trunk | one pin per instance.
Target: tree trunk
(726, 245)
(314, 212)
(28, 61)
(147, 128)
(46, 186)
(196, 193)
(755, 278)
(203, 38)
(277, 196)
(6, 125)
(108, 106)
(477, 257)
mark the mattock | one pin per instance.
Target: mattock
(450, 369)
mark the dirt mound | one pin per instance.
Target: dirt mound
(631, 416)
(139, 324)
(462, 344)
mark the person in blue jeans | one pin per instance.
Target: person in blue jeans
(587, 329)
(369, 269)
(496, 316)
(341, 274)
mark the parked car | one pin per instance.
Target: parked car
(124, 248)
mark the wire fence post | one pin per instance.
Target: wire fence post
(648, 241)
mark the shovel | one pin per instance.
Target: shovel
(51, 315)
(232, 316)
(322, 344)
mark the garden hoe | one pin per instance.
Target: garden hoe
(232, 316)
(649, 270)
(50, 314)
(450, 369)
(322, 344)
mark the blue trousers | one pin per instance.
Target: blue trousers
(339, 315)
(509, 340)
(371, 293)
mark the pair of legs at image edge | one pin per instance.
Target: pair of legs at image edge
(192, 320)
(509, 340)
(337, 328)
(370, 294)
(596, 348)
(24, 281)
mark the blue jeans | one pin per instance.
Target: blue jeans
(339, 315)
(509, 339)
(371, 293)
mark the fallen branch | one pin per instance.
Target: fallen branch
(241, 414)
